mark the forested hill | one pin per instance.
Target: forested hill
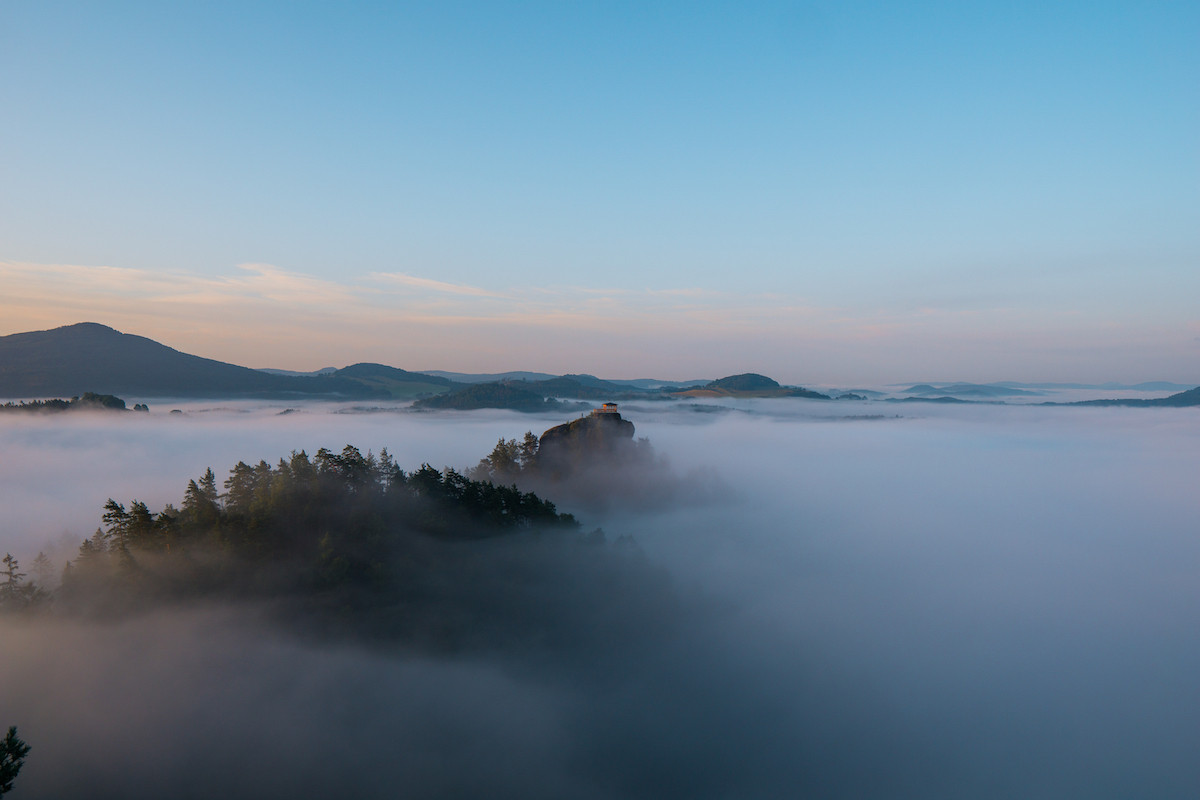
(88, 401)
(1187, 399)
(340, 530)
(348, 545)
(398, 383)
(89, 357)
(513, 395)
(749, 384)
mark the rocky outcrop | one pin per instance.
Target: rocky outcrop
(594, 465)
(589, 441)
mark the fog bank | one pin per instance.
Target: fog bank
(958, 602)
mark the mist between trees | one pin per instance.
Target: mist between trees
(349, 542)
(317, 554)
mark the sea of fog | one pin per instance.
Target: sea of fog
(876, 600)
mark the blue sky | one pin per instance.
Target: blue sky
(825, 192)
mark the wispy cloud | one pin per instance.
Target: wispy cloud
(428, 284)
(263, 314)
(685, 292)
(267, 315)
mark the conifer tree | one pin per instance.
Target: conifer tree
(10, 590)
(528, 450)
(12, 758)
(116, 523)
(140, 526)
(43, 569)
(208, 485)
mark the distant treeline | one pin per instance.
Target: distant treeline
(510, 395)
(88, 400)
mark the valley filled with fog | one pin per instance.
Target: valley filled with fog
(866, 599)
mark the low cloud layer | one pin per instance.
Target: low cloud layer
(961, 602)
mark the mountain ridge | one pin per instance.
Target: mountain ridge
(90, 357)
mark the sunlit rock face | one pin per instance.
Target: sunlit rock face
(602, 436)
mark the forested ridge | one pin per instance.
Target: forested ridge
(351, 545)
(334, 523)
(86, 401)
(503, 394)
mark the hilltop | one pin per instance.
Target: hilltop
(1186, 399)
(534, 395)
(632, 384)
(511, 395)
(397, 383)
(749, 384)
(594, 464)
(89, 357)
(600, 436)
(968, 390)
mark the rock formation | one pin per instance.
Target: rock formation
(601, 438)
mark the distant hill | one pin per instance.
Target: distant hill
(869, 394)
(1181, 400)
(985, 390)
(88, 357)
(928, 398)
(488, 377)
(654, 384)
(1145, 386)
(314, 373)
(746, 382)
(510, 395)
(571, 385)
(749, 384)
(632, 385)
(600, 383)
(584, 387)
(398, 383)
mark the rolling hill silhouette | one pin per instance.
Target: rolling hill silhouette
(89, 357)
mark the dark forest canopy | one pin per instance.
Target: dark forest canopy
(353, 545)
(88, 401)
(337, 517)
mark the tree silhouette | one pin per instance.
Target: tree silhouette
(43, 569)
(12, 758)
(12, 590)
